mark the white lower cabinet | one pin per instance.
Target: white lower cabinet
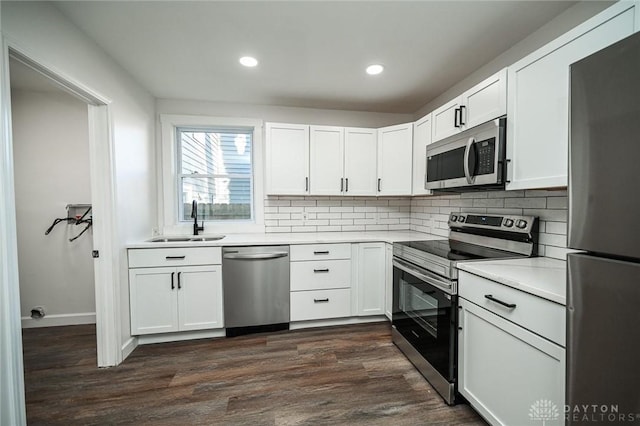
(169, 299)
(509, 374)
(320, 304)
(320, 281)
(370, 279)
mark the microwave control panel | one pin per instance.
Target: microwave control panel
(486, 151)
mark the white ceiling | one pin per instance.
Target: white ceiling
(311, 53)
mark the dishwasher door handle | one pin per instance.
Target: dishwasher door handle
(256, 256)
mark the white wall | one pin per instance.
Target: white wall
(562, 23)
(39, 30)
(279, 114)
(51, 170)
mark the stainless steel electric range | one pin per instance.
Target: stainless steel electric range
(425, 287)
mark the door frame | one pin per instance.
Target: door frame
(105, 237)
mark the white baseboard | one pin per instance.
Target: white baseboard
(128, 347)
(336, 321)
(59, 320)
(177, 337)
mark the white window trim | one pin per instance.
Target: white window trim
(168, 195)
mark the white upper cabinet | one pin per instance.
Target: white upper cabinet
(421, 138)
(360, 155)
(483, 102)
(326, 160)
(395, 148)
(538, 106)
(445, 120)
(287, 159)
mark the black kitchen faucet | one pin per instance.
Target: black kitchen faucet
(194, 215)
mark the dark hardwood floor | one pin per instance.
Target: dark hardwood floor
(342, 375)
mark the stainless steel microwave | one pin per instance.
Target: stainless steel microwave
(473, 159)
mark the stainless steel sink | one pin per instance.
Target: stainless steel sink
(184, 239)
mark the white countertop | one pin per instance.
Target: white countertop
(297, 238)
(540, 276)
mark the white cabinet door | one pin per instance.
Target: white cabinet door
(446, 120)
(153, 300)
(505, 371)
(395, 151)
(421, 138)
(326, 163)
(287, 159)
(538, 106)
(388, 281)
(485, 101)
(199, 297)
(360, 156)
(371, 279)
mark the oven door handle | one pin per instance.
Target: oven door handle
(426, 276)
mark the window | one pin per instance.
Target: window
(216, 161)
(215, 169)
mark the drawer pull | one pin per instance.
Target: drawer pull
(321, 300)
(175, 257)
(321, 252)
(321, 270)
(493, 299)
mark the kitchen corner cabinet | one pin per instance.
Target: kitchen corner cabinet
(538, 104)
(370, 278)
(395, 150)
(166, 298)
(287, 159)
(421, 138)
(483, 102)
(342, 161)
(504, 368)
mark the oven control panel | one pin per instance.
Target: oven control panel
(511, 223)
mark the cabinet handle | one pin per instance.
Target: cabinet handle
(341, 184)
(175, 257)
(317, 271)
(179, 286)
(455, 118)
(306, 184)
(346, 185)
(173, 286)
(379, 179)
(462, 108)
(493, 299)
(320, 300)
(321, 252)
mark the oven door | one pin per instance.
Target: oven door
(475, 157)
(424, 314)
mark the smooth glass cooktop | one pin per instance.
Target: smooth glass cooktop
(456, 250)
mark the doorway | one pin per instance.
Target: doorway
(52, 184)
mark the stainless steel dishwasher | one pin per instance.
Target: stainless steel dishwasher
(256, 289)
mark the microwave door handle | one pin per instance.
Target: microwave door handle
(467, 152)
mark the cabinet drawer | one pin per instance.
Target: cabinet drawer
(534, 313)
(320, 275)
(320, 251)
(320, 304)
(174, 256)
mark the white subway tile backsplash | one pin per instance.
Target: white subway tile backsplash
(556, 228)
(425, 214)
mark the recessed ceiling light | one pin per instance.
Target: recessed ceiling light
(248, 61)
(375, 69)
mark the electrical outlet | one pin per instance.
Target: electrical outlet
(155, 232)
(305, 216)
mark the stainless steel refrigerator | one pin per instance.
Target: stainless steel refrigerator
(603, 297)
